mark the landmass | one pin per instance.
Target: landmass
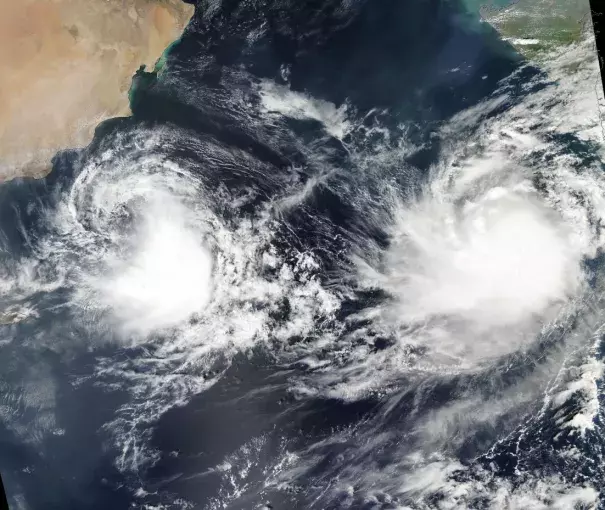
(537, 27)
(67, 65)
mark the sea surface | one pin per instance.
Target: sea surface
(344, 254)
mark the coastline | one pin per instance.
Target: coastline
(66, 67)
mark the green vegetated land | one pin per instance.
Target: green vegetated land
(536, 27)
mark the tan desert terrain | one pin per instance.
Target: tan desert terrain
(66, 65)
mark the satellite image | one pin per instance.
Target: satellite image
(301, 255)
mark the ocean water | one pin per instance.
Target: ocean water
(344, 254)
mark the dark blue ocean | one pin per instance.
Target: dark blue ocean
(295, 144)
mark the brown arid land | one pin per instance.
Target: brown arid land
(66, 65)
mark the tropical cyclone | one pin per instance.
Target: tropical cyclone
(66, 65)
